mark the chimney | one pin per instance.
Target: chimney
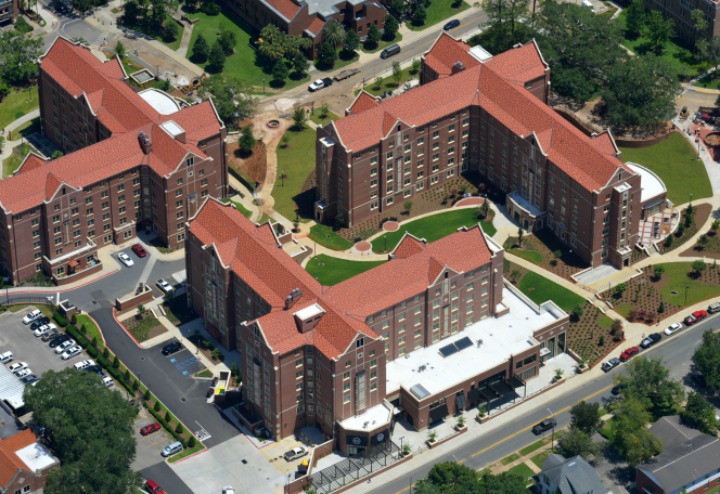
(458, 67)
(294, 296)
(145, 143)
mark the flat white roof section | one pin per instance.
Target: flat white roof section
(37, 457)
(651, 185)
(172, 128)
(162, 102)
(11, 389)
(492, 342)
(369, 419)
(480, 53)
(309, 312)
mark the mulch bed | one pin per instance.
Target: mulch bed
(254, 166)
(145, 327)
(702, 213)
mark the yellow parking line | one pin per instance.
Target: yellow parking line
(161, 440)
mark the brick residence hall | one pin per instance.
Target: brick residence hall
(433, 331)
(132, 161)
(475, 112)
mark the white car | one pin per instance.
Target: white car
(6, 357)
(674, 327)
(43, 329)
(23, 372)
(17, 366)
(316, 85)
(125, 259)
(85, 363)
(71, 352)
(228, 489)
(31, 316)
(107, 381)
(64, 346)
(164, 286)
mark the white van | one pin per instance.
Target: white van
(6, 357)
(172, 449)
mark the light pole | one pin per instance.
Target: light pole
(686, 290)
(552, 440)
(263, 86)
(282, 178)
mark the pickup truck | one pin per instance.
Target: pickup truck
(344, 74)
(319, 84)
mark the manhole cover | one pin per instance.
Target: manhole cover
(142, 358)
(94, 302)
(244, 462)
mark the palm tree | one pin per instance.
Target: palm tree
(334, 33)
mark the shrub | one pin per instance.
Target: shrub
(146, 395)
(73, 319)
(210, 8)
(116, 362)
(106, 353)
(191, 442)
(135, 384)
(157, 406)
(126, 378)
(168, 417)
(601, 341)
(179, 428)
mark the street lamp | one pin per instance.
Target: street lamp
(282, 178)
(552, 440)
(686, 290)
(263, 86)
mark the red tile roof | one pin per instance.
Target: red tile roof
(363, 102)
(124, 112)
(10, 462)
(253, 253)
(415, 266)
(446, 52)
(315, 26)
(286, 8)
(493, 87)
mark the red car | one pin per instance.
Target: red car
(152, 487)
(138, 249)
(629, 352)
(696, 316)
(149, 429)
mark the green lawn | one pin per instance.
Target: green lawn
(539, 289)
(16, 104)
(297, 160)
(245, 211)
(432, 228)
(316, 117)
(529, 449)
(389, 83)
(25, 129)
(529, 255)
(173, 45)
(331, 270)
(382, 44)
(540, 458)
(93, 330)
(11, 163)
(674, 160)
(677, 280)
(605, 322)
(325, 236)
(438, 11)
(521, 470)
(509, 459)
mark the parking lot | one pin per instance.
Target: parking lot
(149, 447)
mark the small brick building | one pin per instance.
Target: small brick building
(24, 464)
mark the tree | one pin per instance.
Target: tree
(419, 15)
(396, 7)
(280, 71)
(658, 31)
(334, 34)
(200, 50)
(407, 206)
(170, 31)
(299, 118)
(391, 28)
(698, 266)
(91, 426)
(504, 17)
(373, 37)
(707, 360)
(231, 97)
(700, 25)
(586, 417)
(635, 18)
(648, 382)
(454, 478)
(277, 45)
(120, 50)
(576, 442)
(620, 288)
(630, 437)
(299, 65)
(521, 234)
(246, 143)
(699, 414)
(397, 72)
(19, 56)
(226, 39)
(352, 43)
(216, 58)
(326, 56)
(658, 271)
(710, 52)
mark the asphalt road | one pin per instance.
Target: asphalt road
(676, 354)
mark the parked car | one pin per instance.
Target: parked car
(70, 352)
(651, 340)
(44, 329)
(39, 322)
(31, 316)
(83, 364)
(107, 381)
(59, 340)
(674, 327)
(149, 429)
(228, 489)
(628, 353)
(17, 366)
(172, 449)
(29, 379)
(450, 25)
(50, 334)
(164, 286)
(64, 346)
(713, 308)
(295, 453)
(125, 259)
(615, 391)
(319, 84)
(139, 250)
(6, 357)
(95, 368)
(171, 348)
(23, 372)
(610, 364)
(695, 317)
(543, 426)
(153, 488)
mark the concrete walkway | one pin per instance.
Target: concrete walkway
(8, 147)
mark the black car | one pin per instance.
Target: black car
(94, 368)
(610, 364)
(450, 25)
(617, 389)
(39, 322)
(29, 379)
(172, 347)
(58, 340)
(50, 334)
(651, 340)
(543, 426)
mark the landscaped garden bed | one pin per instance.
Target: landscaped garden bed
(545, 250)
(144, 326)
(688, 226)
(206, 346)
(707, 245)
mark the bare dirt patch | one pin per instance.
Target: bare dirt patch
(253, 167)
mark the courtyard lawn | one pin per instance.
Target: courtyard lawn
(326, 236)
(533, 256)
(675, 162)
(522, 470)
(389, 84)
(676, 274)
(540, 289)
(331, 270)
(297, 160)
(540, 458)
(318, 119)
(241, 63)
(438, 11)
(432, 228)
(17, 104)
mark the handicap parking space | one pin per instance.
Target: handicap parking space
(186, 363)
(20, 340)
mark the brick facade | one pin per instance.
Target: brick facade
(679, 11)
